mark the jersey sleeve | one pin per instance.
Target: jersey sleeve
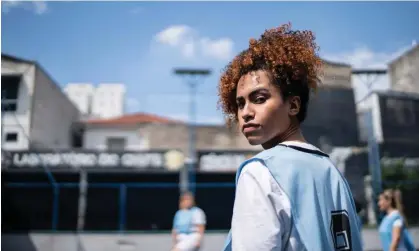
(199, 217)
(175, 219)
(398, 223)
(255, 223)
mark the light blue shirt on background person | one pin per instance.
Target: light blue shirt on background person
(274, 211)
(389, 222)
(186, 226)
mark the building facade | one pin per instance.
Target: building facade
(108, 100)
(141, 131)
(81, 95)
(395, 117)
(336, 74)
(35, 112)
(104, 101)
(404, 71)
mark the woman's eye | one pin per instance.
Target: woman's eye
(260, 100)
(240, 105)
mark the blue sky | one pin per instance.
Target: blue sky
(138, 43)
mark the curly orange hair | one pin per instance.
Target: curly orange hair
(289, 56)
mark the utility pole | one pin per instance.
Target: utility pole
(187, 173)
(374, 163)
(3, 110)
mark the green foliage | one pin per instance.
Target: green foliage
(399, 175)
(403, 175)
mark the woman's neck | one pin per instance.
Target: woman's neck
(293, 133)
(390, 210)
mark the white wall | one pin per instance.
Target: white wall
(108, 100)
(95, 138)
(371, 103)
(404, 72)
(53, 114)
(19, 121)
(336, 75)
(360, 83)
(81, 95)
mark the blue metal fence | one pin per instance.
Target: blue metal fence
(122, 200)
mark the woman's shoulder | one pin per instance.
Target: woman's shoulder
(255, 168)
(198, 210)
(288, 151)
(395, 214)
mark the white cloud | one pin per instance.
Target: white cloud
(191, 44)
(38, 7)
(174, 35)
(221, 48)
(365, 58)
(188, 49)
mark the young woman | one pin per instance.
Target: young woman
(188, 225)
(290, 196)
(393, 232)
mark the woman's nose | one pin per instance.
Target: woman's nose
(248, 113)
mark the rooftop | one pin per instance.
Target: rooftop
(16, 59)
(136, 118)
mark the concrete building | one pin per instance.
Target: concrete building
(35, 112)
(404, 71)
(336, 74)
(81, 96)
(108, 100)
(395, 122)
(150, 132)
(104, 101)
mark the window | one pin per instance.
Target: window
(9, 92)
(401, 112)
(115, 144)
(11, 137)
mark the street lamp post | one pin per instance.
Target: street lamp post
(187, 174)
(372, 144)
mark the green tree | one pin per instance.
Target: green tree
(396, 174)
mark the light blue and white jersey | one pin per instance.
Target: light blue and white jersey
(186, 220)
(291, 197)
(185, 223)
(390, 221)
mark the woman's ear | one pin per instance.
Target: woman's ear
(294, 105)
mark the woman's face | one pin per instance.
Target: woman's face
(262, 113)
(186, 201)
(383, 203)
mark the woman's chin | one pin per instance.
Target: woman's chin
(254, 140)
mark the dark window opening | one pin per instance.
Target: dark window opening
(115, 144)
(77, 137)
(9, 92)
(11, 137)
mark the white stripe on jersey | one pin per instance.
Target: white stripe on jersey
(259, 203)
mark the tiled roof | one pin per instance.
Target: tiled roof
(135, 118)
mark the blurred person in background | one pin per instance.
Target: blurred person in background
(393, 232)
(290, 196)
(188, 225)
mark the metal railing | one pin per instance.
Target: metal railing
(122, 189)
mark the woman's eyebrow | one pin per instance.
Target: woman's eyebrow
(259, 90)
